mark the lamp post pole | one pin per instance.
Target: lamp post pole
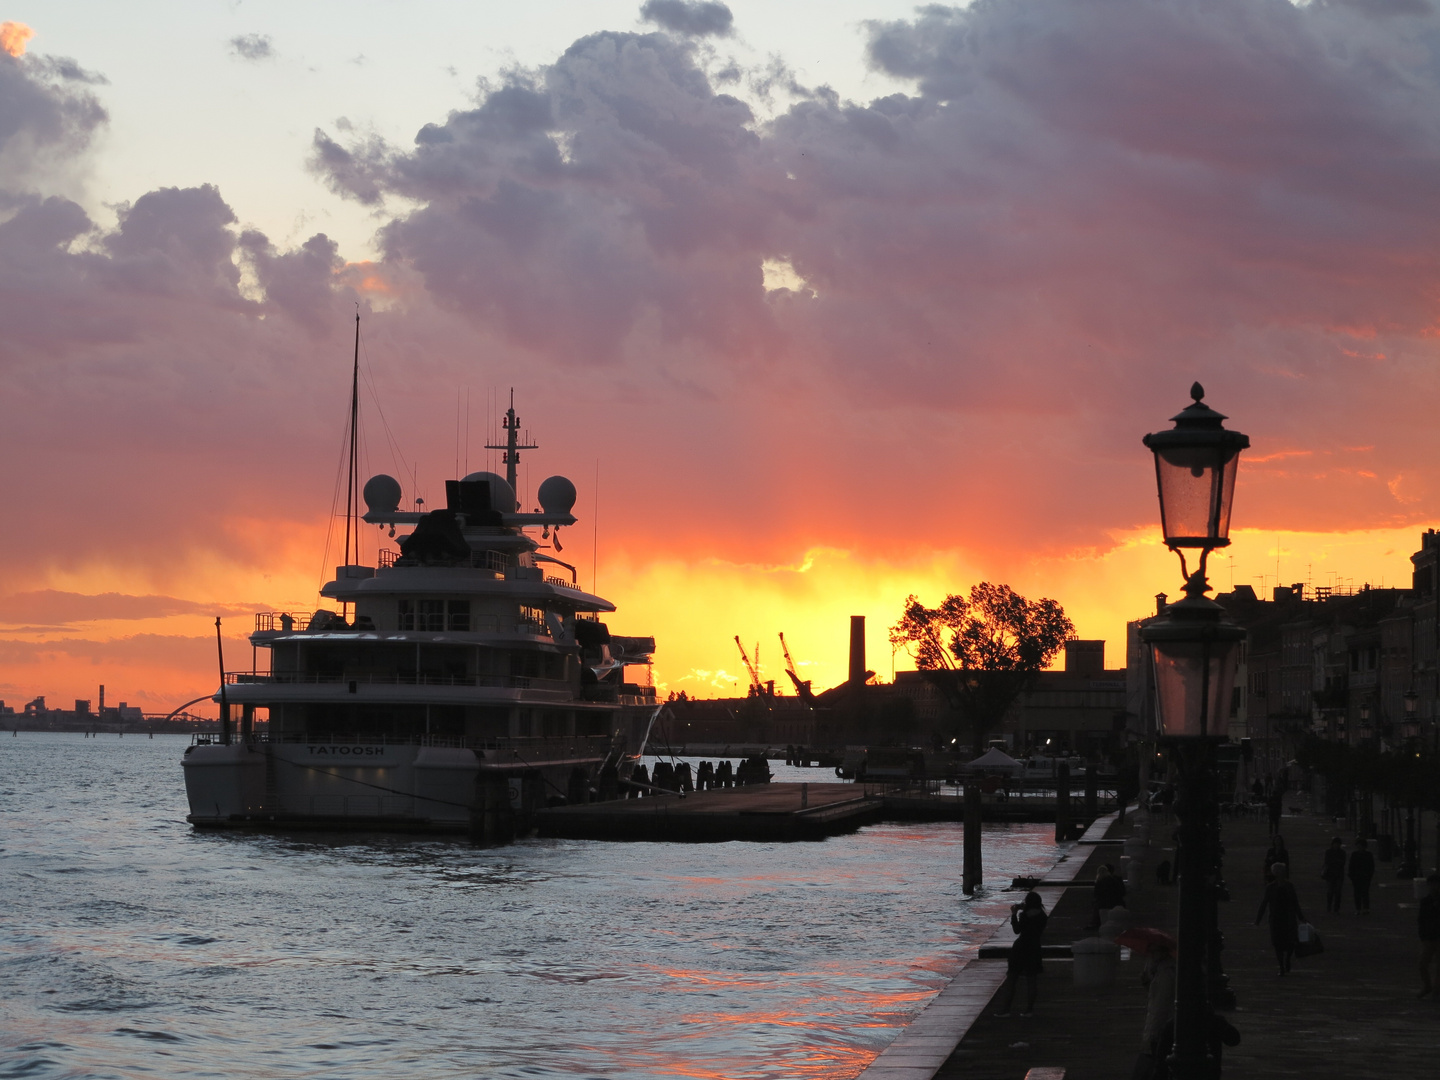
(1409, 732)
(1196, 652)
(1191, 1057)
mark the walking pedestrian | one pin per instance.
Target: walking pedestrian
(1430, 935)
(1362, 869)
(1334, 874)
(1283, 905)
(1274, 806)
(1028, 921)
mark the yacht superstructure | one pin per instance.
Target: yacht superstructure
(466, 680)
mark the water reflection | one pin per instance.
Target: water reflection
(135, 944)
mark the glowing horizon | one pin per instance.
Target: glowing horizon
(804, 346)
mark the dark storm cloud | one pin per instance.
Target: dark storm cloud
(1239, 187)
(45, 110)
(656, 177)
(252, 46)
(696, 18)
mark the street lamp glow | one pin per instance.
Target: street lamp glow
(1195, 466)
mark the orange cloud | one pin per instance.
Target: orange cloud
(13, 36)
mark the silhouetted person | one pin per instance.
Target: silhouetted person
(1275, 853)
(1334, 874)
(1109, 890)
(1028, 921)
(1283, 905)
(1158, 978)
(1362, 869)
(1275, 805)
(1429, 920)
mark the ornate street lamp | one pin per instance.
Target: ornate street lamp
(1196, 651)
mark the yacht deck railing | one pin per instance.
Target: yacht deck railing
(508, 682)
(520, 746)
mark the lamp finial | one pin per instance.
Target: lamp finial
(1197, 391)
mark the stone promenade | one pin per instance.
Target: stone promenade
(1351, 1012)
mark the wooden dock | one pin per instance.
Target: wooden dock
(764, 812)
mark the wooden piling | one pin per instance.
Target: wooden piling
(1062, 803)
(972, 875)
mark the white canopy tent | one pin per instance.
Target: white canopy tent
(995, 760)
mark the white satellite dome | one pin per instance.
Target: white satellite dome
(381, 494)
(557, 495)
(502, 495)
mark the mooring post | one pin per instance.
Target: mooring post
(1092, 791)
(1062, 803)
(971, 875)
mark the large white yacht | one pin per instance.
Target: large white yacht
(459, 687)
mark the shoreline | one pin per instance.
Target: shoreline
(925, 1044)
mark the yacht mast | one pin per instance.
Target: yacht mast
(352, 481)
(512, 447)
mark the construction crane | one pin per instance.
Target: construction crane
(756, 689)
(801, 688)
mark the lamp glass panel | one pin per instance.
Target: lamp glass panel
(1182, 671)
(1197, 486)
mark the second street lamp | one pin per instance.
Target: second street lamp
(1196, 651)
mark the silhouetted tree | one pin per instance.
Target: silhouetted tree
(980, 651)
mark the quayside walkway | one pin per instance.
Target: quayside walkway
(1351, 1012)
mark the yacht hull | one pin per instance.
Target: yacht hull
(367, 786)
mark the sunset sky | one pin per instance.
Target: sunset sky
(838, 301)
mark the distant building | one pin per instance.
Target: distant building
(1078, 709)
(1337, 663)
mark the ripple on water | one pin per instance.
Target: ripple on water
(250, 956)
(153, 1036)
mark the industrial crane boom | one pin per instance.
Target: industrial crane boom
(754, 674)
(801, 688)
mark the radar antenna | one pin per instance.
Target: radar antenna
(512, 445)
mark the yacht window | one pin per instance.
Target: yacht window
(407, 614)
(432, 615)
(460, 615)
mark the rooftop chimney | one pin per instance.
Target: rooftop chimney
(857, 650)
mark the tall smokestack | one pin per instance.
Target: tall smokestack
(857, 650)
(102, 699)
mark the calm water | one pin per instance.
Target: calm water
(132, 945)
